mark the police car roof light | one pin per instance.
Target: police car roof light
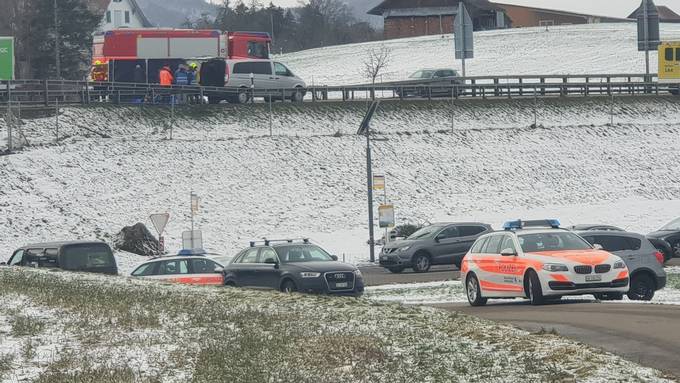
(513, 225)
(519, 224)
(187, 252)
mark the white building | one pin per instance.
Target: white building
(123, 14)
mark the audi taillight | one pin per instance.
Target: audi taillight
(659, 257)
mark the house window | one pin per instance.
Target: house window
(127, 17)
(108, 16)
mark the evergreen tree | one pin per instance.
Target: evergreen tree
(76, 24)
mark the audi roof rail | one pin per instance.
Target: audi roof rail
(267, 242)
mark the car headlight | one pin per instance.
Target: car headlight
(308, 274)
(357, 273)
(619, 265)
(402, 249)
(555, 267)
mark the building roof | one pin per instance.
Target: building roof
(102, 5)
(666, 15)
(561, 12)
(473, 5)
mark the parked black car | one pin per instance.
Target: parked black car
(437, 244)
(667, 239)
(291, 265)
(598, 227)
(86, 256)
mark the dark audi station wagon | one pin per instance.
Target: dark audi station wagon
(290, 266)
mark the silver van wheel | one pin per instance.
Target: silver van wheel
(243, 96)
(297, 95)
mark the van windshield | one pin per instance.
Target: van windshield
(87, 257)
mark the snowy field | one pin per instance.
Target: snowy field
(307, 181)
(88, 328)
(574, 49)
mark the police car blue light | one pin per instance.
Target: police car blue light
(519, 224)
(189, 252)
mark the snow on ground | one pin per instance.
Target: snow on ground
(489, 168)
(574, 49)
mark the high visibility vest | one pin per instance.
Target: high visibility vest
(181, 78)
(166, 77)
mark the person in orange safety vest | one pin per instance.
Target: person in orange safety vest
(165, 76)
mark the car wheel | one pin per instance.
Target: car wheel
(474, 292)
(297, 95)
(642, 288)
(395, 270)
(421, 263)
(608, 296)
(288, 287)
(534, 289)
(242, 97)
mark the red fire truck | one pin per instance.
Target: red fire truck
(117, 53)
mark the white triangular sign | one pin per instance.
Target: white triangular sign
(159, 221)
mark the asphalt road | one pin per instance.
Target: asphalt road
(642, 333)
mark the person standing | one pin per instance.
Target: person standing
(165, 76)
(139, 75)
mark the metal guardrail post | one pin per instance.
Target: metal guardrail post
(495, 90)
(325, 93)
(47, 90)
(473, 82)
(521, 87)
(542, 86)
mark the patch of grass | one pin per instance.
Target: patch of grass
(26, 326)
(28, 349)
(673, 281)
(6, 361)
(544, 331)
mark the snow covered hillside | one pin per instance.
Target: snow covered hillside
(307, 180)
(573, 49)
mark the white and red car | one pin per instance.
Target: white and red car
(539, 261)
(187, 269)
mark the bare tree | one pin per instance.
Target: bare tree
(375, 63)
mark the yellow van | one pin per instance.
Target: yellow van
(669, 62)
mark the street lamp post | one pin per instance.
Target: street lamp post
(365, 128)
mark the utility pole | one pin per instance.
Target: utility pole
(57, 49)
(646, 16)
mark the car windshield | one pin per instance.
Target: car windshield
(422, 74)
(672, 225)
(555, 241)
(425, 233)
(302, 253)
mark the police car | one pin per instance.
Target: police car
(188, 266)
(540, 261)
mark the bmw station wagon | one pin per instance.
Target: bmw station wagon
(289, 266)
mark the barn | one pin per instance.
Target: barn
(408, 18)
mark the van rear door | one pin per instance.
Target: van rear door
(89, 257)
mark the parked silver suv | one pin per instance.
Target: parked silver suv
(644, 261)
(437, 244)
(270, 79)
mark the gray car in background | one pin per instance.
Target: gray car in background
(644, 261)
(437, 244)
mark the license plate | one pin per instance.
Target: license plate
(593, 278)
(342, 284)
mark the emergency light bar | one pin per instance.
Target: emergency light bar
(519, 224)
(268, 241)
(188, 252)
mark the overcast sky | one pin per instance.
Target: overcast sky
(616, 8)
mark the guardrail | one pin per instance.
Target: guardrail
(50, 92)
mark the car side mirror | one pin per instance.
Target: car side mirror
(219, 270)
(597, 246)
(334, 257)
(272, 261)
(509, 252)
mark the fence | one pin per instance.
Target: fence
(50, 92)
